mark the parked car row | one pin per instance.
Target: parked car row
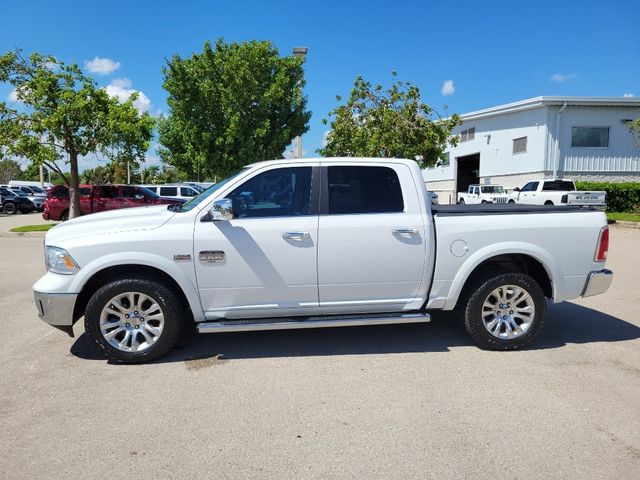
(14, 200)
(101, 198)
(538, 192)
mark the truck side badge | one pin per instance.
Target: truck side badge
(212, 256)
(181, 257)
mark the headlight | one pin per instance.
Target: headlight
(59, 261)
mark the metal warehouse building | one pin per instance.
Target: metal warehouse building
(582, 138)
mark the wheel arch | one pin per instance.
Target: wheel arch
(93, 280)
(531, 260)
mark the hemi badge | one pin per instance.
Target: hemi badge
(212, 256)
(182, 257)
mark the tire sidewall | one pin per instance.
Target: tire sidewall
(166, 299)
(473, 311)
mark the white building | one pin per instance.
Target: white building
(582, 138)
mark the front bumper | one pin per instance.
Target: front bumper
(598, 281)
(56, 309)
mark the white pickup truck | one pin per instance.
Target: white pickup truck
(555, 192)
(483, 194)
(316, 243)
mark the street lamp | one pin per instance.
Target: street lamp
(300, 52)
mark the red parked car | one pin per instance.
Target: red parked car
(100, 199)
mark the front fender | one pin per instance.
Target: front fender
(147, 259)
(490, 251)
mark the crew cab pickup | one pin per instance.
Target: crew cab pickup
(325, 242)
(483, 194)
(556, 192)
(99, 199)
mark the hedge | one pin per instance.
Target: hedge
(621, 197)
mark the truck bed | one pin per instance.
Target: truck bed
(503, 209)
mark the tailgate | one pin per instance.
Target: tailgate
(586, 198)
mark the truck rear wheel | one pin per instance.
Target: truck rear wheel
(134, 319)
(504, 311)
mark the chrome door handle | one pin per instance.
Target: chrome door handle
(405, 231)
(295, 235)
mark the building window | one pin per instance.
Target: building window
(520, 145)
(444, 159)
(468, 134)
(590, 137)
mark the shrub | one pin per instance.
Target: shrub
(621, 197)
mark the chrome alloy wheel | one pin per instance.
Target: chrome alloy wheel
(508, 312)
(131, 321)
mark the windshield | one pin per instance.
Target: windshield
(208, 192)
(492, 189)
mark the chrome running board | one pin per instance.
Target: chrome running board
(255, 324)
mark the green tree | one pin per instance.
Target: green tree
(151, 174)
(9, 170)
(634, 128)
(64, 115)
(392, 122)
(97, 176)
(229, 105)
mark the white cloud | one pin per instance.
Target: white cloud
(628, 95)
(562, 77)
(121, 88)
(101, 66)
(13, 96)
(448, 88)
(325, 138)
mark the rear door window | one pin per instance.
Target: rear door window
(168, 191)
(558, 186)
(363, 189)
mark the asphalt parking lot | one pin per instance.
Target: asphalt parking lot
(415, 401)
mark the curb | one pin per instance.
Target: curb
(22, 234)
(626, 224)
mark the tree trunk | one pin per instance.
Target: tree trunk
(74, 186)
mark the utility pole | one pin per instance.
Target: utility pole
(300, 52)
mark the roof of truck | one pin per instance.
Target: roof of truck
(332, 159)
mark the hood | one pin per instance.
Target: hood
(103, 223)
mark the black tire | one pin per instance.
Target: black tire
(9, 208)
(166, 298)
(483, 201)
(548, 202)
(479, 291)
(461, 202)
(64, 216)
(26, 210)
(511, 201)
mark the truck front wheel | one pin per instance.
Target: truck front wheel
(504, 311)
(134, 319)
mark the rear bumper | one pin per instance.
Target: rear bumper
(598, 281)
(56, 309)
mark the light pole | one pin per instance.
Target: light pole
(300, 52)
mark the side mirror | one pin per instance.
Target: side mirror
(517, 189)
(222, 209)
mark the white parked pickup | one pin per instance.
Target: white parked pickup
(556, 192)
(483, 194)
(316, 243)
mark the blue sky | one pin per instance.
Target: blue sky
(492, 52)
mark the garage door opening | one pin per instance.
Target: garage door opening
(467, 172)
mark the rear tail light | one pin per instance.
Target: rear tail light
(603, 245)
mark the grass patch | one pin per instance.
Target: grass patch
(627, 217)
(33, 228)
